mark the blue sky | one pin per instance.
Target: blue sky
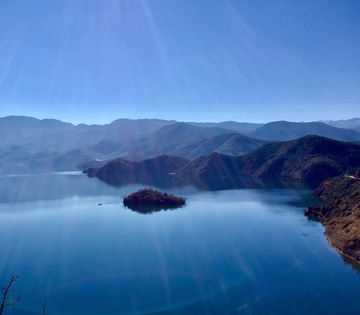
(94, 61)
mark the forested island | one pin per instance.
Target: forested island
(148, 200)
(149, 196)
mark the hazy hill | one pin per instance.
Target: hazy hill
(242, 127)
(84, 136)
(69, 160)
(33, 145)
(170, 138)
(15, 128)
(19, 160)
(230, 144)
(54, 134)
(284, 130)
(347, 124)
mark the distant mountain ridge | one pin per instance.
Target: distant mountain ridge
(353, 123)
(229, 143)
(241, 127)
(31, 145)
(284, 130)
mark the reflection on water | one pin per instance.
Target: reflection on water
(155, 180)
(354, 264)
(147, 209)
(206, 184)
(243, 251)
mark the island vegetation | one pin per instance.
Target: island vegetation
(149, 196)
(148, 200)
(341, 213)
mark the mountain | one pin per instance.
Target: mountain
(310, 160)
(213, 165)
(119, 170)
(83, 137)
(346, 124)
(229, 144)
(284, 130)
(16, 128)
(243, 127)
(25, 138)
(168, 139)
(31, 145)
(69, 160)
(141, 149)
(20, 160)
(341, 213)
(55, 135)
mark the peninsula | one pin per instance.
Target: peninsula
(341, 213)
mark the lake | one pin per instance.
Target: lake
(246, 251)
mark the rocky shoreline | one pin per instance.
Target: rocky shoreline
(341, 213)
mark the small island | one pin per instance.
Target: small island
(341, 213)
(149, 200)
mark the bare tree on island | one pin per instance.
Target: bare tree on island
(5, 294)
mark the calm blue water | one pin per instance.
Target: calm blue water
(226, 252)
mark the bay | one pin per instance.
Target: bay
(249, 251)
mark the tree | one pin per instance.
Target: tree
(5, 294)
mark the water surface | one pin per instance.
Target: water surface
(226, 252)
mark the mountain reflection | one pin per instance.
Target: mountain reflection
(214, 183)
(155, 180)
(354, 264)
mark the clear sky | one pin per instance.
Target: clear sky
(94, 61)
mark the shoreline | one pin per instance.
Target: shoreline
(340, 251)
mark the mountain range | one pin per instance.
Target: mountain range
(309, 160)
(284, 130)
(31, 145)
